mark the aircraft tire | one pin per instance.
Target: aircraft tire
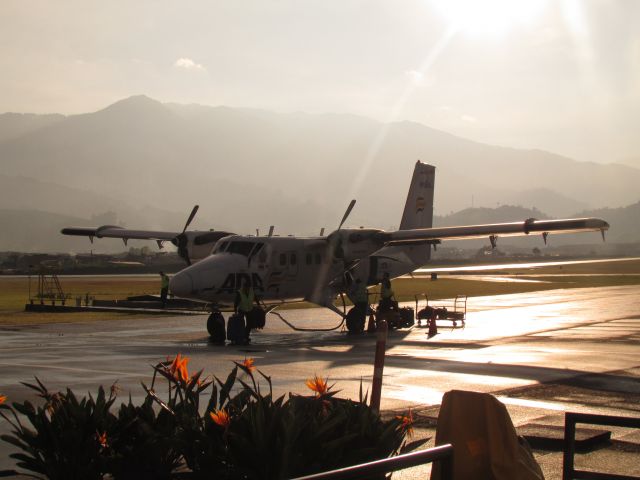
(215, 327)
(356, 320)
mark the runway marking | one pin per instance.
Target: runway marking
(524, 402)
(520, 265)
(72, 369)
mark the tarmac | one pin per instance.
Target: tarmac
(542, 354)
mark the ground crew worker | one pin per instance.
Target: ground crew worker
(164, 288)
(243, 305)
(386, 293)
(359, 296)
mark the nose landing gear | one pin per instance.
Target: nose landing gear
(237, 331)
(216, 328)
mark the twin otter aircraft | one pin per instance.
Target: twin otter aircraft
(317, 269)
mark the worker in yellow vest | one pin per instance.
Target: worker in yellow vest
(243, 305)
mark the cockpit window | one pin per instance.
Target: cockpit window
(222, 247)
(241, 247)
(257, 248)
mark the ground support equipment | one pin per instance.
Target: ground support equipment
(453, 310)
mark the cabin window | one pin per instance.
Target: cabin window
(283, 259)
(318, 259)
(241, 247)
(293, 259)
(309, 259)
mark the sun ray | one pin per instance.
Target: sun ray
(394, 113)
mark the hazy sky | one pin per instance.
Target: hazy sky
(557, 75)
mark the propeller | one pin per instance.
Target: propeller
(334, 238)
(346, 214)
(334, 249)
(191, 216)
(181, 240)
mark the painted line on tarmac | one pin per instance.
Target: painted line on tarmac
(546, 405)
(71, 369)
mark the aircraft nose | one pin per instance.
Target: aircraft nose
(181, 284)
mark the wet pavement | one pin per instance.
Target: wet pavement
(540, 353)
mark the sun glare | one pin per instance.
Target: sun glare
(489, 17)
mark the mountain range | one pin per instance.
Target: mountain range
(144, 164)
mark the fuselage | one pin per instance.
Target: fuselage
(289, 269)
(278, 268)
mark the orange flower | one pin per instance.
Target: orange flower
(248, 365)
(220, 417)
(406, 423)
(102, 439)
(178, 368)
(115, 389)
(3, 398)
(53, 402)
(318, 385)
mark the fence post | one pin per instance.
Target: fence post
(378, 365)
(569, 446)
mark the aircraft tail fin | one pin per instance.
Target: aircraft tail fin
(418, 213)
(418, 210)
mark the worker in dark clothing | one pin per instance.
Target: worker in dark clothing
(359, 295)
(243, 305)
(386, 293)
(357, 315)
(164, 288)
(360, 298)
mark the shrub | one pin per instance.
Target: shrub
(68, 435)
(242, 433)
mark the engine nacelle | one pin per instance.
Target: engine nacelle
(195, 245)
(351, 244)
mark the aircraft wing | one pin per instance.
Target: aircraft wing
(111, 231)
(527, 227)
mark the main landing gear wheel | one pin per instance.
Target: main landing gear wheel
(215, 327)
(355, 320)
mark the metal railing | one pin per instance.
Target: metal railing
(442, 454)
(570, 420)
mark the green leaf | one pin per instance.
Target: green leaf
(225, 389)
(408, 447)
(14, 441)
(157, 399)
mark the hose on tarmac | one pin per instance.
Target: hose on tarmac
(299, 329)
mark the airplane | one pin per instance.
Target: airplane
(319, 269)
